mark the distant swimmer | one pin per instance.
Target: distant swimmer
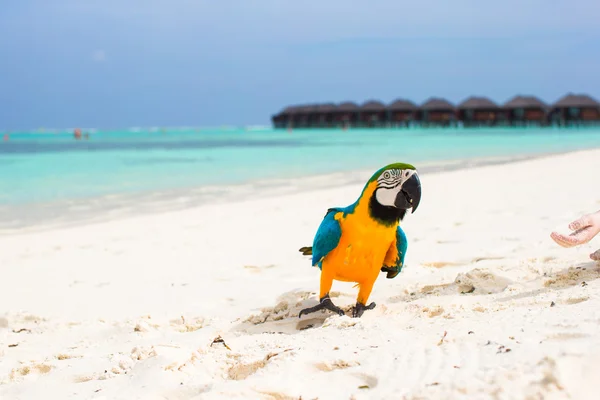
(6, 137)
(86, 136)
(77, 133)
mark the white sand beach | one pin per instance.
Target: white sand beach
(203, 303)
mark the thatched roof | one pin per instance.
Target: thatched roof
(288, 110)
(477, 103)
(372, 105)
(326, 107)
(402, 105)
(437, 103)
(347, 106)
(576, 100)
(309, 108)
(297, 109)
(524, 102)
(305, 109)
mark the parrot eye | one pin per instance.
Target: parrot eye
(386, 175)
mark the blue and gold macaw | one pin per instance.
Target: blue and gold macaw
(356, 243)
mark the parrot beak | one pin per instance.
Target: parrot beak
(410, 194)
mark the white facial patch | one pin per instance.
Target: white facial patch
(389, 185)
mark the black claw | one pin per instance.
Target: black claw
(360, 308)
(391, 272)
(325, 304)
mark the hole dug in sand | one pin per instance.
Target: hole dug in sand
(283, 317)
(573, 276)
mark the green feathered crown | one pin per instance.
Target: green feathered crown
(390, 166)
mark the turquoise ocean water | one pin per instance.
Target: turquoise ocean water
(47, 171)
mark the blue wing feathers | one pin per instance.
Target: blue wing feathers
(401, 246)
(327, 237)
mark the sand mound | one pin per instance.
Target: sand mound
(478, 281)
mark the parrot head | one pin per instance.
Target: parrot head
(398, 186)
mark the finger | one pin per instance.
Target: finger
(557, 238)
(581, 223)
(595, 255)
(561, 240)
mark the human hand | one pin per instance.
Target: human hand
(584, 229)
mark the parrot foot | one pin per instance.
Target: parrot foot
(325, 303)
(391, 272)
(360, 308)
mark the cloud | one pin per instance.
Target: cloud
(99, 55)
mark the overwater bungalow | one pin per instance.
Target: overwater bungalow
(283, 119)
(526, 110)
(479, 111)
(322, 115)
(575, 109)
(300, 116)
(346, 114)
(572, 109)
(373, 114)
(402, 113)
(437, 112)
(278, 120)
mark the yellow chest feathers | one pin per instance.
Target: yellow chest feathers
(363, 241)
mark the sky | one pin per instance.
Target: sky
(115, 64)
